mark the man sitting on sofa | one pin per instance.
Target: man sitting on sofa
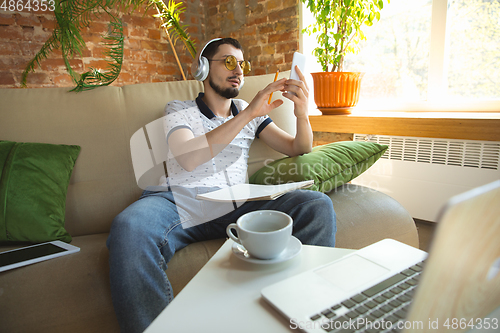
(145, 236)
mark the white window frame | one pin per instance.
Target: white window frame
(437, 79)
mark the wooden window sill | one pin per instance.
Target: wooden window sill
(448, 125)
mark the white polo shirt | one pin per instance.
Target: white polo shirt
(229, 167)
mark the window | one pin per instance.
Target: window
(427, 55)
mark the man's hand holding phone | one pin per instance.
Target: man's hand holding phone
(296, 88)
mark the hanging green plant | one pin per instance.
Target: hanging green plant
(170, 18)
(95, 78)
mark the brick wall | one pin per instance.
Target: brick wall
(148, 56)
(267, 29)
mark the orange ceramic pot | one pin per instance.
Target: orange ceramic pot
(336, 89)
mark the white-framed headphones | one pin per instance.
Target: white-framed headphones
(201, 67)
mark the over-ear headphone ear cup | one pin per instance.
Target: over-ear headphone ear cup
(202, 70)
(202, 65)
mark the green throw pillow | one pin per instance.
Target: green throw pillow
(329, 165)
(34, 179)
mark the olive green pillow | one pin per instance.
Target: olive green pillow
(34, 179)
(329, 165)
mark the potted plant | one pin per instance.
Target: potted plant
(339, 24)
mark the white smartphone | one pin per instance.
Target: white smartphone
(298, 60)
(35, 253)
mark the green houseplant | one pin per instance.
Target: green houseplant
(338, 25)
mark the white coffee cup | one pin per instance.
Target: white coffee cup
(263, 233)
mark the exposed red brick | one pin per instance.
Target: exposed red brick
(278, 59)
(12, 63)
(133, 44)
(168, 70)
(289, 56)
(55, 52)
(287, 48)
(256, 20)
(141, 67)
(139, 21)
(159, 78)
(286, 25)
(63, 80)
(283, 14)
(212, 3)
(58, 64)
(268, 49)
(192, 29)
(154, 33)
(282, 37)
(7, 19)
(11, 32)
(99, 27)
(269, 35)
(212, 11)
(10, 48)
(273, 4)
(6, 78)
(94, 38)
(52, 64)
(266, 29)
(41, 79)
(47, 23)
(27, 20)
(97, 64)
(153, 45)
(138, 32)
(289, 3)
(97, 51)
(125, 78)
(86, 53)
(155, 56)
(259, 71)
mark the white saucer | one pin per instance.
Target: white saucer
(294, 247)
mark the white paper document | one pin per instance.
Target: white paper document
(248, 192)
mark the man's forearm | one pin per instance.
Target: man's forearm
(303, 141)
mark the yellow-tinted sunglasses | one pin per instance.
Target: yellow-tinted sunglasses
(230, 62)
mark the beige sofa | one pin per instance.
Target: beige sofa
(71, 293)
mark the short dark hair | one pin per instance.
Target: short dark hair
(212, 48)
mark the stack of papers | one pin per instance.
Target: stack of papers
(249, 192)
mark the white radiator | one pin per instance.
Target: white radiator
(423, 173)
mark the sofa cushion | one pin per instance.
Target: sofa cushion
(33, 186)
(330, 165)
(65, 294)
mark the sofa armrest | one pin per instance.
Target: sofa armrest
(365, 216)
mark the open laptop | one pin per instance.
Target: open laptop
(382, 287)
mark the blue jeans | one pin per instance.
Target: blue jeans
(145, 236)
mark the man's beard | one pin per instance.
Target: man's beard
(227, 93)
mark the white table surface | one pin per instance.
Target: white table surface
(225, 294)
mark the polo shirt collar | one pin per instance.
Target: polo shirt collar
(206, 110)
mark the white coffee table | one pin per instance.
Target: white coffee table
(225, 294)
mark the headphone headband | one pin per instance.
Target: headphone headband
(202, 68)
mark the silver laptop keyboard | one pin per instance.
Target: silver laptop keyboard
(377, 309)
